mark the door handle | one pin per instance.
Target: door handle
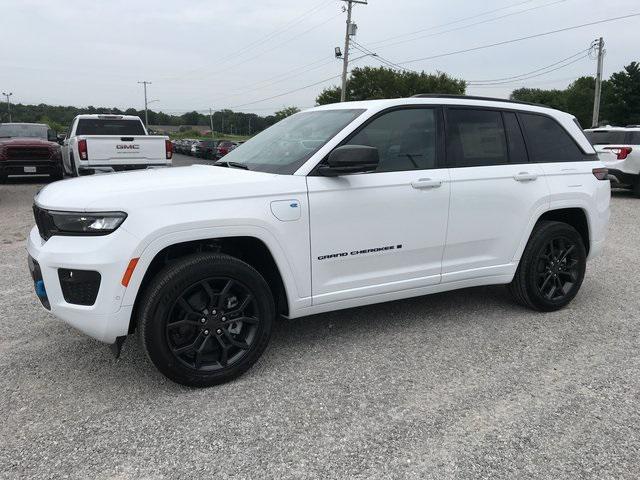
(423, 183)
(525, 177)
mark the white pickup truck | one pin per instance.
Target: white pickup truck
(112, 143)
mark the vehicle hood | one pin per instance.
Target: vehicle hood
(26, 142)
(128, 191)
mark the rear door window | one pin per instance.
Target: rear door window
(100, 126)
(547, 141)
(475, 138)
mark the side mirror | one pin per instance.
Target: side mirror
(350, 159)
(51, 136)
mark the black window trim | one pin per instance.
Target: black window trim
(440, 134)
(442, 128)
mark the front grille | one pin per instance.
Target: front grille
(28, 153)
(79, 287)
(44, 222)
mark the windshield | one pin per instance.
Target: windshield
(23, 130)
(606, 137)
(285, 146)
(98, 126)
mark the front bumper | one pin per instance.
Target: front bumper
(30, 167)
(107, 318)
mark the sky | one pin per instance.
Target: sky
(259, 55)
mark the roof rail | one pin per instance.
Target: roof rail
(473, 97)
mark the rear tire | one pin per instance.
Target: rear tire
(206, 319)
(636, 188)
(551, 269)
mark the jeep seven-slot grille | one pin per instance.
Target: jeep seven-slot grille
(44, 222)
(28, 153)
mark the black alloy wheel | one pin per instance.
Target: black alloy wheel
(212, 324)
(552, 267)
(205, 318)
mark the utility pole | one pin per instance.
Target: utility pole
(599, 44)
(222, 120)
(8, 95)
(350, 30)
(146, 115)
(211, 120)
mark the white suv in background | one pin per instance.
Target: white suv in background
(338, 206)
(619, 149)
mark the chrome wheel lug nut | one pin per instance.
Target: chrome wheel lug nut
(218, 331)
(213, 312)
(203, 320)
(206, 332)
(224, 319)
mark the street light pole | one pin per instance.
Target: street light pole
(8, 95)
(599, 44)
(146, 115)
(347, 36)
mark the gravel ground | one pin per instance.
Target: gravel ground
(458, 385)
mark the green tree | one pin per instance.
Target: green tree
(621, 104)
(368, 83)
(286, 112)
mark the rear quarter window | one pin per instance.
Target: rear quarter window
(547, 141)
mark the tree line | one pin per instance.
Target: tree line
(620, 103)
(225, 121)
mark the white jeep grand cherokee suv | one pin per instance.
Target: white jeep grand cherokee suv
(338, 206)
(619, 149)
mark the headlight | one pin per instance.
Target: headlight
(72, 223)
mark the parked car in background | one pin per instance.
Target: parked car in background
(339, 206)
(619, 149)
(207, 149)
(225, 147)
(28, 149)
(113, 143)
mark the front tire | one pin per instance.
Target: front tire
(551, 269)
(206, 319)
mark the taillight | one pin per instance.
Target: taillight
(601, 173)
(168, 146)
(624, 152)
(621, 152)
(82, 149)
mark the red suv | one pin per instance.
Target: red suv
(225, 147)
(28, 149)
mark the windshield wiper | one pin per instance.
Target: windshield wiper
(225, 163)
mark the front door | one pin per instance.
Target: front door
(382, 231)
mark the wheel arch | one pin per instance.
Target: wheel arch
(576, 216)
(248, 248)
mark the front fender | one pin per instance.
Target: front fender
(296, 281)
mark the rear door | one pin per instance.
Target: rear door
(495, 192)
(384, 231)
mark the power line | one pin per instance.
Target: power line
(528, 37)
(380, 58)
(532, 76)
(449, 23)
(581, 52)
(290, 24)
(473, 24)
